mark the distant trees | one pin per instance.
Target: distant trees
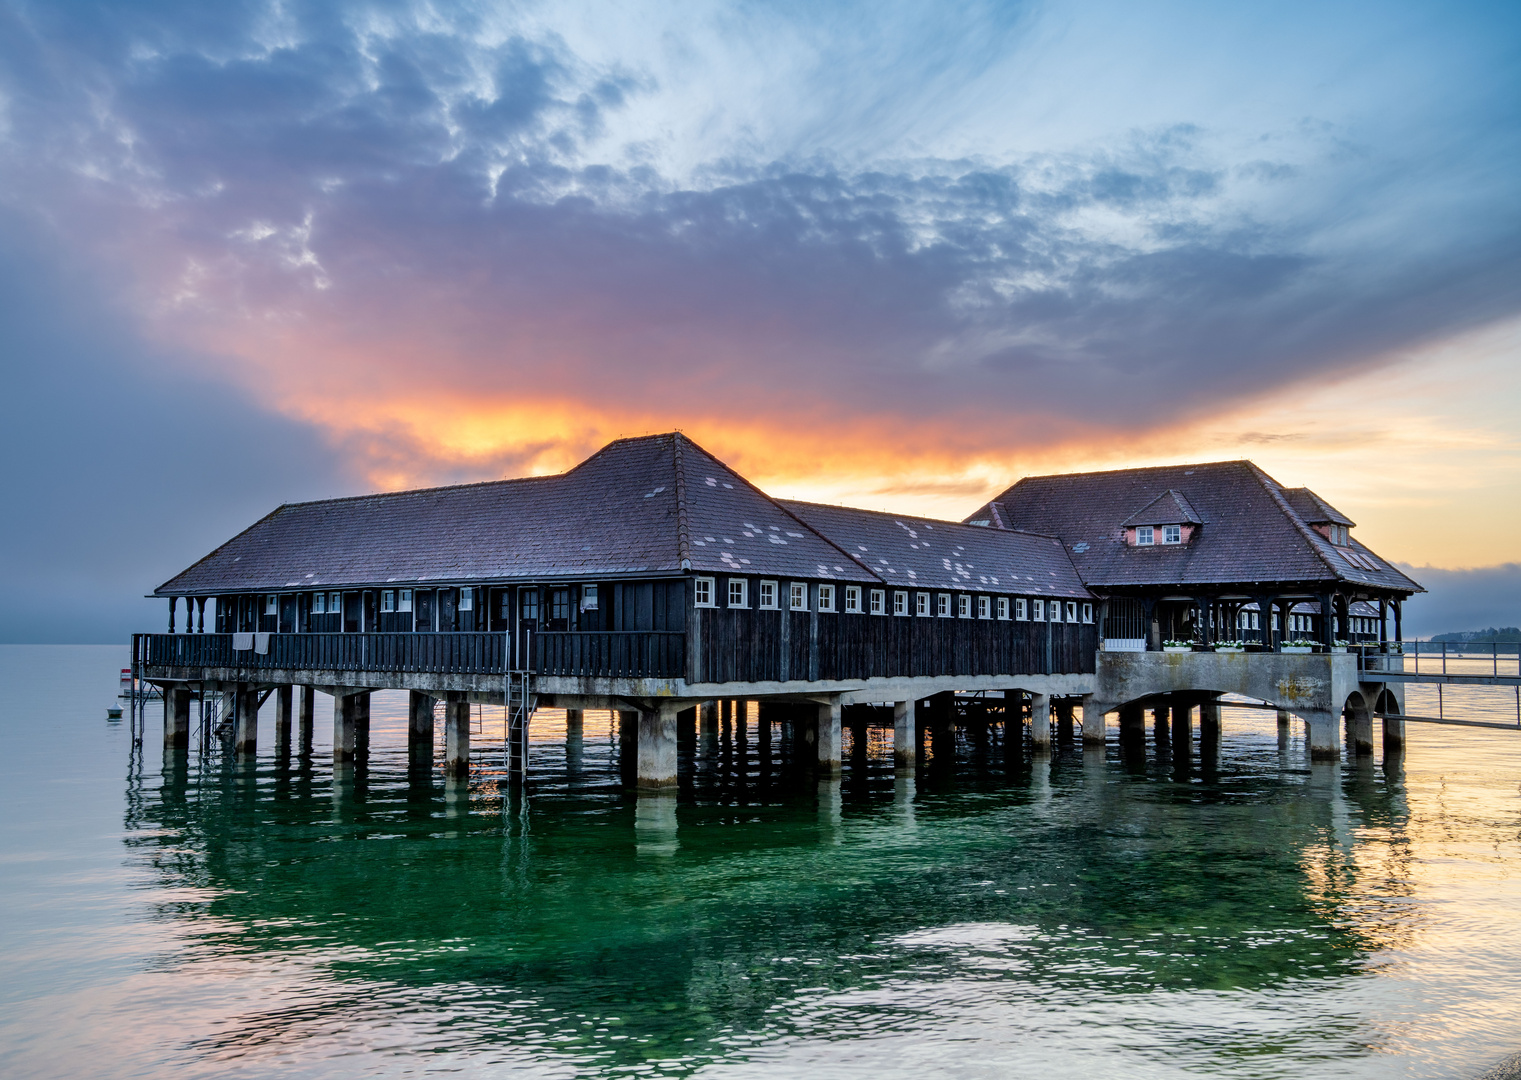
(1504, 633)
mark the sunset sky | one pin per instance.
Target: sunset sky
(890, 254)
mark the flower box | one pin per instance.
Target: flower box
(1229, 648)
(1338, 648)
(1295, 649)
(1177, 648)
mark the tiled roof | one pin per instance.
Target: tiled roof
(1249, 532)
(636, 507)
(915, 552)
(1313, 510)
(1169, 508)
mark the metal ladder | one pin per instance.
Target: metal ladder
(521, 699)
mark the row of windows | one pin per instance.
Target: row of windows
(875, 602)
(1147, 535)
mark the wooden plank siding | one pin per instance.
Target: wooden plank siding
(743, 645)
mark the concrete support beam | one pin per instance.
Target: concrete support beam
(1040, 723)
(1324, 744)
(345, 732)
(456, 735)
(419, 726)
(306, 704)
(177, 718)
(905, 726)
(284, 702)
(1093, 721)
(829, 738)
(657, 747)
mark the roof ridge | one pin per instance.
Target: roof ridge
(920, 517)
(683, 531)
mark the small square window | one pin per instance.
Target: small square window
(963, 607)
(1087, 613)
(799, 596)
(1072, 611)
(768, 595)
(271, 604)
(702, 592)
(1021, 609)
(467, 600)
(878, 602)
(1038, 610)
(943, 607)
(589, 598)
(387, 600)
(900, 603)
(1172, 534)
(826, 597)
(984, 608)
(739, 592)
(404, 600)
(922, 604)
(319, 603)
(1145, 536)
(1003, 607)
(335, 603)
(853, 599)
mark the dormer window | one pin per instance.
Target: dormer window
(1339, 536)
(1145, 536)
(1172, 534)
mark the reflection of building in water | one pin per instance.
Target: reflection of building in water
(654, 580)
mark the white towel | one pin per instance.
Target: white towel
(241, 642)
(261, 644)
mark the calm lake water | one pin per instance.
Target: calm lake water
(1088, 918)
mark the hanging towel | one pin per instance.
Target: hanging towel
(241, 642)
(261, 644)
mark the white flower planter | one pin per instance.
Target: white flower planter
(1227, 648)
(1177, 648)
(1338, 648)
(1295, 649)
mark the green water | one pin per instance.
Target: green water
(1097, 915)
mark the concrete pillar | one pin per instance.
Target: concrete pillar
(345, 737)
(829, 739)
(1064, 733)
(1160, 729)
(726, 710)
(707, 719)
(904, 726)
(574, 726)
(456, 734)
(306, 705)
(1013, 728)
(1283, 725)
(1182, 728)
(1394, 737)
(246, 732)
(362, 725)
(177, 718)
(628, 748)
(1324, 744)
(1040, 723)
(1093, 722)
(283, 707)
(657, 747)
(1360, 731)
(419, 726)
(1209, 722)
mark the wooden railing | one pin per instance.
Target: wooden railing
(613, 654)
(452, 653)
(623, 654)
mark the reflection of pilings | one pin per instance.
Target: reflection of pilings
(1283, 731)
(903, 797)
(655, 817)
(831, 812)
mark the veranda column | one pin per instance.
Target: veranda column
(177, 718)
(657, 746)
(829, 738)
(1040, 723)
(456, 734)
(246, 732)
(903, 734)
